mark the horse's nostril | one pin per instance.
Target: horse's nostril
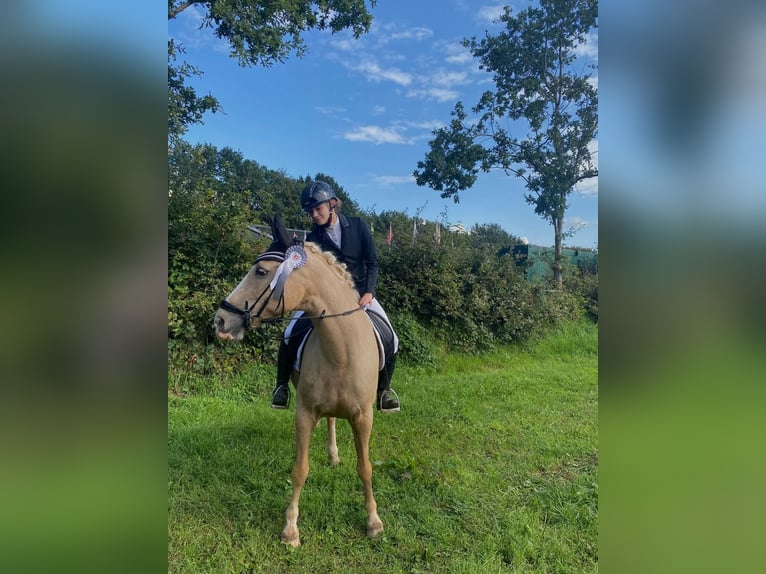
(218, 322)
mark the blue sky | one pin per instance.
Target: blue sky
(363, 110)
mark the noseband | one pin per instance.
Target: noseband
(245, 313)
(293, 258)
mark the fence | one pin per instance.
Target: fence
(538, 260)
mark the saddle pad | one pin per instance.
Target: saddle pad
(384, 336)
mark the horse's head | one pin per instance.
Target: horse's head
(260, 294)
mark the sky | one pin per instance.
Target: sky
(363, 111)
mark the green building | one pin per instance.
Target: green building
(538, 261)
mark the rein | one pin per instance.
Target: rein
(247, 317)
(246, 313)
(322, 315)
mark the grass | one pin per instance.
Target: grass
(490, 467)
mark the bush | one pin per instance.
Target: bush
(464, 294)
(583, 284)
(415, 344)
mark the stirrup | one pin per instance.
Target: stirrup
(380, 402)
(281, 407)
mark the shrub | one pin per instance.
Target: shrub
(464, 294)
(415, 344)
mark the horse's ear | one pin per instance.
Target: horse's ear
(279, 233)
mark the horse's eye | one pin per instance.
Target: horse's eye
(261, 271)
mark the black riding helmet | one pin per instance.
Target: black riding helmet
(315, 194)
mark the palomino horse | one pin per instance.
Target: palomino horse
(339, 369)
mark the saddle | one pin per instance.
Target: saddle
(384, 335)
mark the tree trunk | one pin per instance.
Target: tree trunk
(558, 224)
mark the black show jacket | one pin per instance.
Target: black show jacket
(357, 251)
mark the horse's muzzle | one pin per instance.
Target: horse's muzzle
(236, 334)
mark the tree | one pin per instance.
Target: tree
(259, 33)
(491, 236)
(539, 93)
(185, 107)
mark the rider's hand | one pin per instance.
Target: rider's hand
(365, 300)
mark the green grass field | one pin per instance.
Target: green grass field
(490, 466)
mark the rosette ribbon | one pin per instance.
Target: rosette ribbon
(295, 258)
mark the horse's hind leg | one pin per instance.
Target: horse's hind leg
(304, 424)
(362, 427)
(332, 446)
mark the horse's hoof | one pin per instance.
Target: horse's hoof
(334, 462)
(291, 539)
(374, 530)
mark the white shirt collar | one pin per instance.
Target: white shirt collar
(333, 230)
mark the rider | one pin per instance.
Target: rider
(349, 239)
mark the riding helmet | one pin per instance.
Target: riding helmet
(316, 193)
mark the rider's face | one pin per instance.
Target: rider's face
(321, 213)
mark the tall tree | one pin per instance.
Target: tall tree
(542, 94)
(185, 107)
(259, 33)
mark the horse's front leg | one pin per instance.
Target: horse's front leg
(362, 429)
(304, 424)
(332, 446)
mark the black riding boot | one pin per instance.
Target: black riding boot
(285, 359)
(387, 401)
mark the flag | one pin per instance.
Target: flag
(389, 235)
(438, 234)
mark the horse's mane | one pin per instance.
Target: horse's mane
(338, 267)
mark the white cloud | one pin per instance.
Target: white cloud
(438, 86)
(588, 49)
(191, 35)
(409, 34)
(575, 222)
(588, 187)
(457, 54)
(593, 149)
(191, 17)
(447, 79)
(490, 13)
(393, 179)
(375, 73)
(433, 93)
(428, 125)
(443, 94)
(397, 133)
(423, 130)
(344, 44)
(376, 135)
(330, 110)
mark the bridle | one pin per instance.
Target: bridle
(246, 313)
